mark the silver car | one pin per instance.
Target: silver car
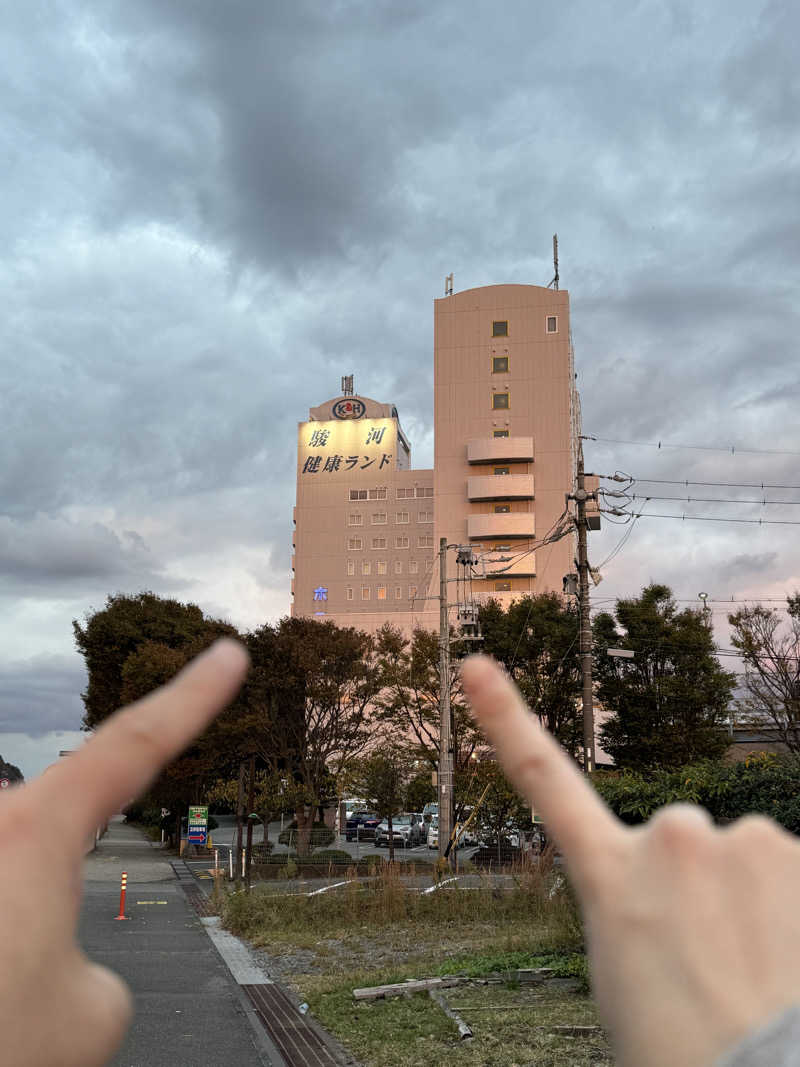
(407, 831)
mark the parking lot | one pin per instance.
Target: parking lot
(224, 838)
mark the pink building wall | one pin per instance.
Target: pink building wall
(499, 479)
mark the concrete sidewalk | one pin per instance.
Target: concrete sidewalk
(189, 1008)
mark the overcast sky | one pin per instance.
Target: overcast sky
(212, 211)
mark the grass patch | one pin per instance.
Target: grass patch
(478, 965)
(380, 933)
(511, 1026)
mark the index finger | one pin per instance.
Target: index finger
(580, 822)
(130, 748)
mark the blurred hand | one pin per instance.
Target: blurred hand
(57, 1009)
(693, 932)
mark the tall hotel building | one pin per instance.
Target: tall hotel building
(506, 418)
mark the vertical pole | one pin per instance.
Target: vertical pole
(230, 861)
(585, 623)
(251, 799)
(239, 817)
(122, 891)
(445, 777)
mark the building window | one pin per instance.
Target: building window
(401, 542)
(401, 517)
(500, 433)
(355, 544)
(502, 470)
(502, 586)
(500, 401)
(379, 518)
(404, 494)
(412, 592)
(366, 567)
(349, 592)
(424, 490)
(425, 516)
(502, 509)
(381, 566)
(499, 364)
(358, 494)
(381, 592)
(351, 566)
(377, 494)
(429, 566)
(425, 541)
(379, 542)
(355, 519)
(398, 593)
(365, 592)
(552, 324)
(398, 566)
(500, 328)
(413, 567)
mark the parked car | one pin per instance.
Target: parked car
(407, 830)
(433, 832)
(430, 811)
(352, 806)
(362, 824)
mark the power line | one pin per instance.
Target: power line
(709, 499)
(710, 518)
(730, 449)
(687, 482)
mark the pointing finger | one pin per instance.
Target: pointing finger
(581, 824)
(130, 748)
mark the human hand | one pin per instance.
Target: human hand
(57, 1009)
(693, 932)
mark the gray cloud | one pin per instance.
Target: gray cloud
(212, 211)
(41, 694)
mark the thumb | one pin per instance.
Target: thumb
(100, 1012)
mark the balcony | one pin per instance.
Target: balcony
(509, 526)
(500, 450)
(500, 487)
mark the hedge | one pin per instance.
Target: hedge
(764, 783)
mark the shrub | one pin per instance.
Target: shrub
(765, 783)
(332, 855)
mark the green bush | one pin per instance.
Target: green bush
(764, 783)
(144, 813)
(332, 855)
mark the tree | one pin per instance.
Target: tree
(502, 809)
(304, 711)
(136, 643)
(133, 645)
(9, 771)
(770, 649)
(408, 697)
(420, 790)
(536, 640)
(382, 779)
(669, 702)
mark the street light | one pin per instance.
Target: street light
(706, 608)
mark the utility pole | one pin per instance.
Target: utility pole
(445, 775)
(581, 496)
(239, 821)
(250, 802)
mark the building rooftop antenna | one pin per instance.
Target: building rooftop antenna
(347, 385)
(554, 283)
(448, 284)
